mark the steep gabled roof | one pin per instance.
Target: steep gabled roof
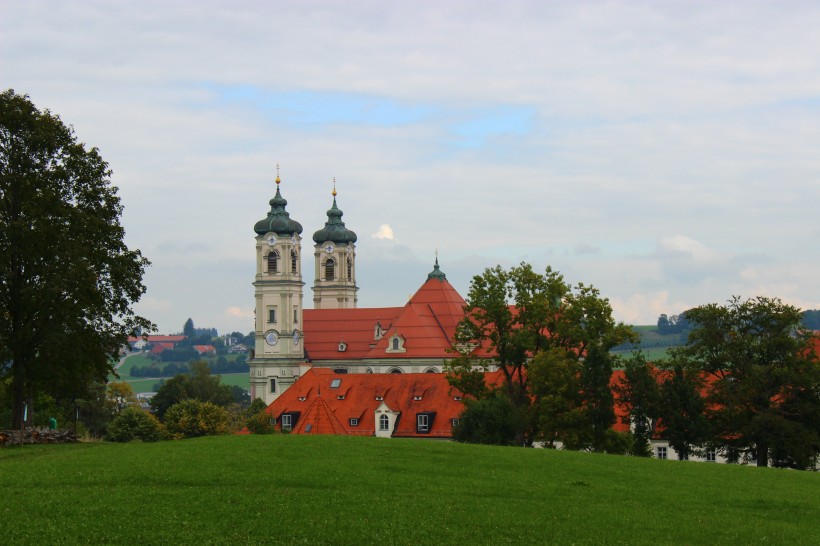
(427, 325)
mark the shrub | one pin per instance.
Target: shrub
(191, 418)
(492, 420)
(135, 424)
(259, 423)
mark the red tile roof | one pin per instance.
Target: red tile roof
(328, 409)
(427, 324)
(202, 349)
(160, 347)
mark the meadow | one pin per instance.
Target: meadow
(338, 490)
(147, 385)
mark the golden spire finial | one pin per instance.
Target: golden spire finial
(334, 188)
(277, 175)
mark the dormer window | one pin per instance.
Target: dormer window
(379, 398)
(354, 422)
(424, 421)
(330, 269)
(340, 397)
(396, 344)
(417, 398)
(342, 346)
(378, 333)
(273, 262)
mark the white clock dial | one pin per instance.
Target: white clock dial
(271, 338)
(271, 240)
(329, 248)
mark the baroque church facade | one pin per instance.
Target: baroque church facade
(335, 333)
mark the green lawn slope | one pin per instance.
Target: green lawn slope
(337, 490)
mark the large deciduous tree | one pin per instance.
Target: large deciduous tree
(764, 379)
(515, 315)
(67, 279)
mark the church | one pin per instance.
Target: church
(336, 334)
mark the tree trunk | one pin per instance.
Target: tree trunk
(762, 454)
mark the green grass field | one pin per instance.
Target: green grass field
(651, 354)
(337, 490)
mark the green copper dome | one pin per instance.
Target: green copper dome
(334, 230)
(436, 273)
(278, 220)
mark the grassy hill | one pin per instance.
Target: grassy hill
(147, 385)
(338, 490)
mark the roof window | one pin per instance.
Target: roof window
(334, 384)
(340, 397)
(395, 344)
(417, 398)
(379, 398)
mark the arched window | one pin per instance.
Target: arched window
(273, 262)
(293, 260)
(384, 423)
(395, 370)
(349, 269)
(396, 343)
(330, 269)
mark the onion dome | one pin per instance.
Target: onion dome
(334, 230)
(436, 273)
(278, 220)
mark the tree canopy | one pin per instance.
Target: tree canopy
(763, 379)
(67, 279)
(516, 315)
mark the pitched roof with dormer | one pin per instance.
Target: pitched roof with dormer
(328, 403)
(426, 325)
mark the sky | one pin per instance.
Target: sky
(664, 152)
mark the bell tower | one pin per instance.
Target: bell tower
(278, 290)
(335, 258)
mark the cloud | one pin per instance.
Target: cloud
(585, 249)
(384, 232)
(645, 308)
(235, 311)
(644, 147)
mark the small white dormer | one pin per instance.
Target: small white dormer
(385, 420)
(342, 346)
(395, 344)
(378, 332)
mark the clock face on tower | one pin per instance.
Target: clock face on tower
(271, 338)
(329, 248)
(271, 240)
